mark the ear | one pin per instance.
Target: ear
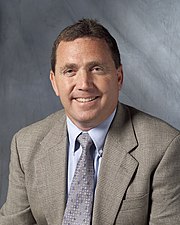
(120, 76)
(53, 82)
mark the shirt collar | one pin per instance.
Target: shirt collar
(97, 134)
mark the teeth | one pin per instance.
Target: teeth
(85, 99)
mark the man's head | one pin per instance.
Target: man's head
(86, 74)
(86, 28)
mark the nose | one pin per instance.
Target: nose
(84, 80)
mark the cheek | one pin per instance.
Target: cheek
(108, 86)
(65, 90)
(102, 83)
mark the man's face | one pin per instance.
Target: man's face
(86, 80)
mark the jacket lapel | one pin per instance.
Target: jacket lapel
(117, 168)
(51, 172)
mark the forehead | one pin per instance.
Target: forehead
(82, 49)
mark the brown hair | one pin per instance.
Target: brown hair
(86, 28)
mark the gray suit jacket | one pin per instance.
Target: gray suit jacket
(139, 178)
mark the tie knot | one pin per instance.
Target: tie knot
(85, 140)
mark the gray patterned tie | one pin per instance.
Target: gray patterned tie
(80, 200)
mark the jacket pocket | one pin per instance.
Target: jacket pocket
(133, 211)
(135, 203)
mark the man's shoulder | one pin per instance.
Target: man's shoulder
(43, 126)
(147, 123)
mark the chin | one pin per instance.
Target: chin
(86, 122)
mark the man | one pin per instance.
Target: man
(136, 158)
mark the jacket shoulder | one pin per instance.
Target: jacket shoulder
(150, 126)
(40, 128)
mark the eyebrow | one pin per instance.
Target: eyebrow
(96, 63)
(68, 65)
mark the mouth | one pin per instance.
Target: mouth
(83, 100)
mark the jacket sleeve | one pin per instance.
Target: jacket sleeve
(16, 210)
(165, 202)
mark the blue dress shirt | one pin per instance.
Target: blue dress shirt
(97, 134)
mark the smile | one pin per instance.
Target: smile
(85, 99)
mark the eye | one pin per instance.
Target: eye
(97, 69)
(69, 72)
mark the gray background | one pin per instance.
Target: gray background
(148, 34)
